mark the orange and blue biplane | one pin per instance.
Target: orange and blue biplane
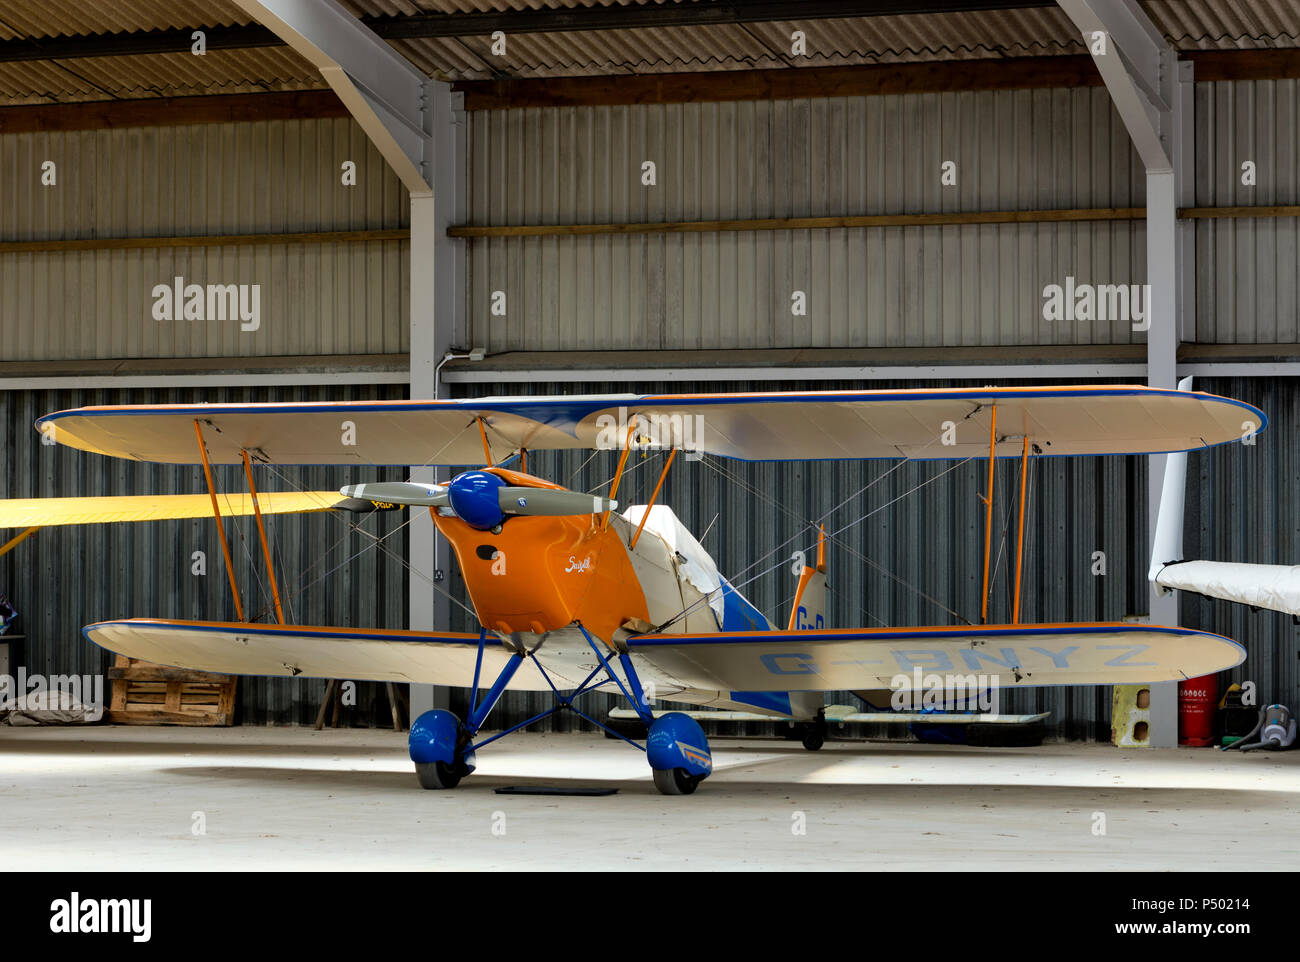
(574, 595)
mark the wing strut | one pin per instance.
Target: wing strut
(18, 539)
(216, 513)
(988, 516)
(1020, 541)
(618, 474)
(261, 531)
(659, 484)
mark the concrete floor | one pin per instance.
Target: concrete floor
(125, 798)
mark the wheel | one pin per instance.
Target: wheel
(438, 774)
(814, 740)
(675, 781)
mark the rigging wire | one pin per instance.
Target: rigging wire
(740, 584)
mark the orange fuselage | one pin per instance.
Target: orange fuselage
(541, 574)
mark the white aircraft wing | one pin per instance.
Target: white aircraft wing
(927, 423)
(437, 658)
(1276, 587)
(1018, 655)
(777, 661)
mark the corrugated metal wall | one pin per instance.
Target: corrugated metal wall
(891, 286)
(938, 286)
(1248, 269)
(927, 543)
(64, 578)
(273, 176)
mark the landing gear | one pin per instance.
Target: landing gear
(678, 753)
(442, 746)
(438, 743)
(814, 734)
(676, 747)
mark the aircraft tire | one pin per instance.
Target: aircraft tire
(675, 781)
(435, 775)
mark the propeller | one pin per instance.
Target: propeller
(483, 500)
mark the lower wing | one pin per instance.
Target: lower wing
(1007, 655)
(720, 663)
(229, 648)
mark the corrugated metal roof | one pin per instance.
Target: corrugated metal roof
(1189, 25)
(156, 75)
(1220, 25)
(69, 18)
(861, 40)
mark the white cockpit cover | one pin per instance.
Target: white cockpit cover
(1276, 587)
(693, 561)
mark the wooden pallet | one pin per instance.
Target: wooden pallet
(149, 694)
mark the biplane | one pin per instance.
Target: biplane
(573, 595)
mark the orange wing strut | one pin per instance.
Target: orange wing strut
(216, 513)
(988, 518)
(18, 539)
(261, 532)
(618, 475)
(659, 484)
(1020, 541)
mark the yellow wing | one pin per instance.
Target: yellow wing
(45, 512)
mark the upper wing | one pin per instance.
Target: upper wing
(1064, 654)
(45, 512)
(951, 423)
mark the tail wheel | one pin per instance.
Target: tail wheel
(675, 781)
(438, 774)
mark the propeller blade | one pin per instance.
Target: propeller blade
(549, 502)
(398, 492)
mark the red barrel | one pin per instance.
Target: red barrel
(1197, 700)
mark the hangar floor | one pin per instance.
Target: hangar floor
(126, 798)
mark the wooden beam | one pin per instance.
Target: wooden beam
(783, 83)
(203, 240)
(171, 111)
(1010, 73)
(1260, 64)
(806, 223)
(1214, 213)
(1013, 73)
(1051, 216)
